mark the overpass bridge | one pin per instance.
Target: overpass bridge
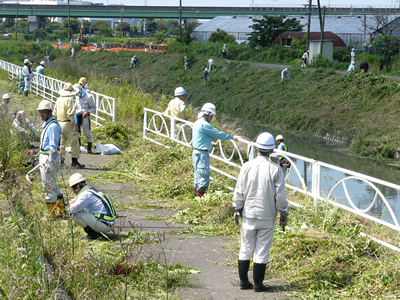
(172, 12)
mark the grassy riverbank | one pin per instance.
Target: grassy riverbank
(360, 108)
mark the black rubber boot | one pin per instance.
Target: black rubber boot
(258, 276)
(75, 164)
(243, 266)
(89, 148)
(91, 234)
(26, 93)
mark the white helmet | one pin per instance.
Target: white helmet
(45, 104)
(75, 179)
(42, 63)
(279, 137)
(180, 91)
(210, 108)
(6, 96)
(26, 61)
(265, 141)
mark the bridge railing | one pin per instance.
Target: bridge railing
(369, 197)
(48, 87)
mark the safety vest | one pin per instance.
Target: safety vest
(110, 215)
(285, 147)
(43, 135)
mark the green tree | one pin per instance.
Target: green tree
(267, 29)
(159, 37)
(41, 34)
(86, 26)
(74, 24)
(51, 27)
(186, 33)
(221, 36)
(8, 23)
(125, 27)
(23, 26)
(96, 24)
(105, 30)
(387, 47)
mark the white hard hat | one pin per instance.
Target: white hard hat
(210, 108)
(42, 63)
(6, 96)
(353, 49)
(75, 179)
(279, 137)
(265, 141)
(26, 61)
(180, 91)
(45, 104)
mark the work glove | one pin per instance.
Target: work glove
(236, 137)
(283, 220)
(237, 215)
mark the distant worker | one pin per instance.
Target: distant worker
(176, 107)
(22, 124)
(47, 55)
(91, 209)
(224, 51)
(151, 47)
(304, 59)
(364, 66)
(4, 106)
(104, 46)
(134, 61)
(211, 64)
(78, 42)
(95, 47)
(186, 62)
(353, 56)
(282, 161)
(84, 107)
(206, 75)
(37, 41)
(71, 43)
(84, 83)
(59, 44)
(28, 75)
(285, 74)
(351, 68)
(64, 113)
(203, 133)
(49, 160)
(72, 52)
(259, 195)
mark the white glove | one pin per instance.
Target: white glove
(236, 137)
(237, 216)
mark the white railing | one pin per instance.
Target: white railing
(48, 87)
(360, 194)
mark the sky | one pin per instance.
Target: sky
(263, 3)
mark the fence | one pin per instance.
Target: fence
(369, 197)
(48, 87)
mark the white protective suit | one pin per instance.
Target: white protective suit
(261, 192)
(28, 74)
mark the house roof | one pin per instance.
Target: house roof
(228, 24)
(314, 36)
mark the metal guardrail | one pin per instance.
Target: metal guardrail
(369, 197)
(48, 87)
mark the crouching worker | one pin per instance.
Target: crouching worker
(91, 209)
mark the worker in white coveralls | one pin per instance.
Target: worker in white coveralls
(259, 195)
(40, 70)
(64, 112)
(84, 107)
(203, 133)
(22, 124)
(285, 74)
(49, 159)
(211, 64)
(28, 75)
(4, 106)
(91, 209)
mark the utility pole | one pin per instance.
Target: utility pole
(69, 23)
(16, 24)
(308, 23)
(122, 19)
(321, 25)
(180, 20)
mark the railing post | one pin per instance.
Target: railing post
(114, 111)
(97, 109)
(144, 123)
(172, 137)
(315, 185)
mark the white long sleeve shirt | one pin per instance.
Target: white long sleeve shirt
(261, 191)
(85, 103)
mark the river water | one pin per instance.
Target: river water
(361, 193)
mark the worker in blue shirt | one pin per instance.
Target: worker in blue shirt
(49, 159)
(203, 133)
